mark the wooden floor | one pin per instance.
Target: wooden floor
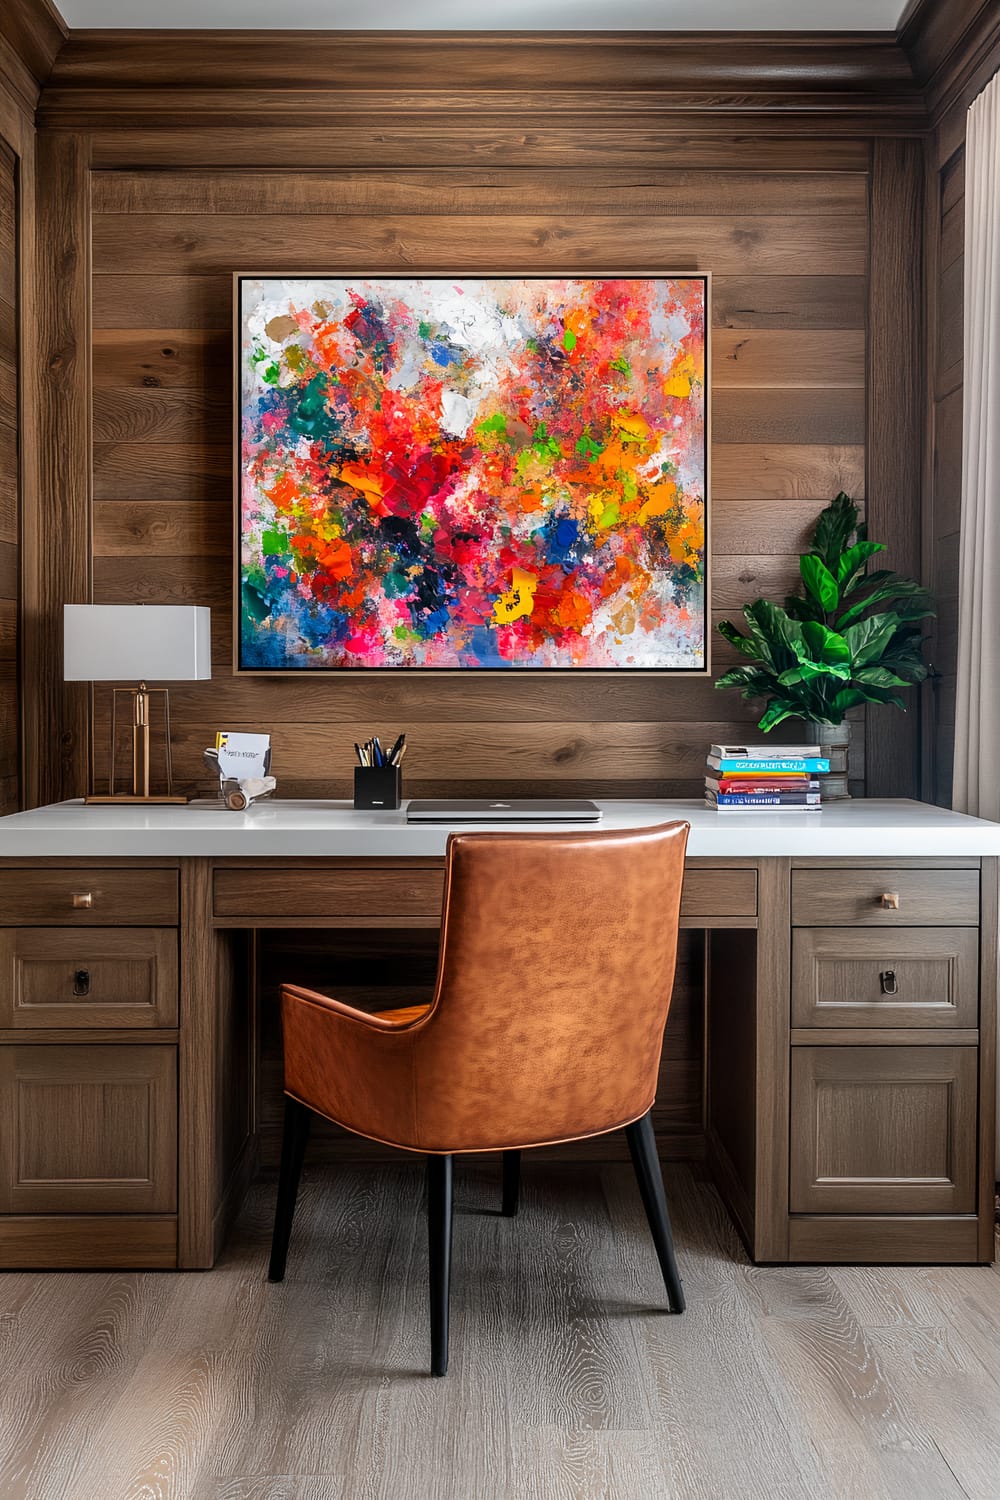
(566, 1379)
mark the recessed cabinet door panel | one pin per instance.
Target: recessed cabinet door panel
(883, 1130)
(88, 1129)
(851, 977)
(101, 977)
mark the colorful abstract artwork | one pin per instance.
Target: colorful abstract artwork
(454, 473)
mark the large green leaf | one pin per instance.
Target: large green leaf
(812, 671)
(905, 595)
(870, 638)
(847, 698)
(824, 644)
(819, 582)
(798, 608)
(743, 643)
(852, 563)
(834, 528)
(777, 711)
(752, 680)
(879, 677)
(777, 633)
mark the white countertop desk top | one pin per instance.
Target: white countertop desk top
(864, 829)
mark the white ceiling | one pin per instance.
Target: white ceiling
(501, 15)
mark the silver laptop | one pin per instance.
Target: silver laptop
(502, 810)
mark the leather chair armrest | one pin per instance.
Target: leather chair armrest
(373, 1022)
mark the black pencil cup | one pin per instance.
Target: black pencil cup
(377, 787)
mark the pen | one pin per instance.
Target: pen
(394, 752)
(379, 758)
(359, 753)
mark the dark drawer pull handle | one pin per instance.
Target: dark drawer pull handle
(81, 982)
(887, 979)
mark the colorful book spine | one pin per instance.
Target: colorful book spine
(764, 799)
(813, 766)
(763, 784)
(765, 752)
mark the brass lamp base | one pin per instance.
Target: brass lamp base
(127, 797)
(141, 698)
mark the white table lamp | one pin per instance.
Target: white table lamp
(109, 642)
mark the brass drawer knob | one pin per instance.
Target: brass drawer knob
(83, 898)
(890, 901)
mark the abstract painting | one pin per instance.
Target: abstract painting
(472, 473)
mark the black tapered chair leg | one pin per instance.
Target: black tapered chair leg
(642, 1149)
(511, 1183)
(293, 1148)
(439, 1217)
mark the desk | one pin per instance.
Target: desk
(850, 1015)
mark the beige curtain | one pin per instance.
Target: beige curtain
(977, 714)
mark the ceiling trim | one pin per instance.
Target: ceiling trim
(137, 78)
(31, 35)
(953, 47)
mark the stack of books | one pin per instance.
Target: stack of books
(742, 778)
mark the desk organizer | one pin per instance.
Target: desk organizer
(377, 787)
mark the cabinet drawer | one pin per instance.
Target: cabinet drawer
(348, 891)
(88, 1129)
(883, 1130)
(88, 898)
(104, 977)
(719, 893)
(885, 898)
(850, 977)
(358, 891)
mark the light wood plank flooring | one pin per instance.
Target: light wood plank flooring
(567, 1381)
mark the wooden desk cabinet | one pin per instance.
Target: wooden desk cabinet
(871, 1005)
(850, 1036)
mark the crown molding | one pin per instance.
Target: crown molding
(953, 47)
(32, 33)
(147, 79)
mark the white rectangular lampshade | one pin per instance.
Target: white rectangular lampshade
(136, 642)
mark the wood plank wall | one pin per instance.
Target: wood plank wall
(786, 234)
(9, 484)
(153, 198)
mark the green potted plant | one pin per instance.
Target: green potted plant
(851, 636)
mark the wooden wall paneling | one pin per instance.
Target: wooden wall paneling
(646, 190)
(789, 425)
(585, 143)
(787, 244)
(10, 484)
(57, 544)
(896, 419)
(18, 374)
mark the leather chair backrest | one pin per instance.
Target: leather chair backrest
(554, 980)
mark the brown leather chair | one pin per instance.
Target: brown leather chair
(554, 979)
